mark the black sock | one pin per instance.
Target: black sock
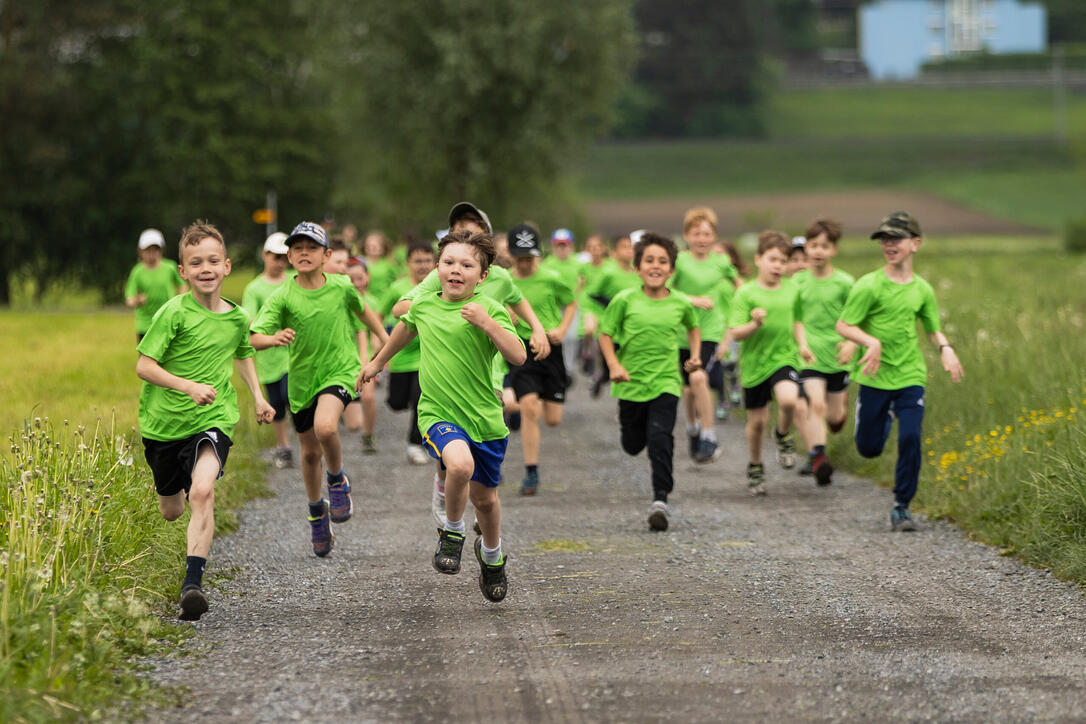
(334, 478)
(531, 469)
(778, 434)
(819, 449)
(194, 571)
(316, 510)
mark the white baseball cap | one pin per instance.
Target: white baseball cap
(276, 243)
(151, 237)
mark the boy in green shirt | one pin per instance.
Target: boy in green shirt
(618, 274)
(645, 377)
(563, 261)
(880, 315)
(765, 318)
(823, 291)
(312, 314)
(459, 332)
(152, 281)
(539, 385)
(188, 408)
(272, 364)
(403, 378)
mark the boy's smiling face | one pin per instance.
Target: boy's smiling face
(459, 271)
(655, 267)
(204, 265)
(306, 255)
(897, 250)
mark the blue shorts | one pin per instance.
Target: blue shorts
(488, 456)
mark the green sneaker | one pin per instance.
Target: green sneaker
(756, 479)
(492, 581)
(786, 451)
(447, 556)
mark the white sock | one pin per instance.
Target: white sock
(709, 435)
(492, 556)
(439, 484)
(455, 526)
(693, 430)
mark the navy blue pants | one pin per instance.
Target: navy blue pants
(650, 424)
(875, 412)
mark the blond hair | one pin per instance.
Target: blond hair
(698, 214)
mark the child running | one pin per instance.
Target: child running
(619, 273)
(272, 364)
(539, 385)
(188, 408)
(643, 370)
(823, 291)
(361, 413)
(151, 282)
(880, 315)
(312, 314)
(459, 332)
(765, 319)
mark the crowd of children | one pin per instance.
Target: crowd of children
(484, 334)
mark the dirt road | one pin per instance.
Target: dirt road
(797, 606)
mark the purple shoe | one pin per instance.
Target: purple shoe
(322, 533)
(340, 504)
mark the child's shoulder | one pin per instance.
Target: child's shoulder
(626, 295)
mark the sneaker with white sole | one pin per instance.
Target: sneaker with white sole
(416, 455)
(756, 479)
(658, 515)
(437, 502)
(786, 451)
(900, 520)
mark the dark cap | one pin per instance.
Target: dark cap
(465, 207)
(308, 230)
(899, 224)
(524, 241)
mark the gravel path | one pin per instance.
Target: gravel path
(797, 606)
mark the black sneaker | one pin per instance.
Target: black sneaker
(447, 555)
(708, 451)
(808, 467)
(492, 581)
(193, 603)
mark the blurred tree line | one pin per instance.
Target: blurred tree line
(124, 114)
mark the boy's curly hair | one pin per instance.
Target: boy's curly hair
(649, 239)
(824, 225)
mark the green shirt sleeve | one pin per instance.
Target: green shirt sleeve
(270, 318)
(131, 287)
(613, 316)
(929, 311)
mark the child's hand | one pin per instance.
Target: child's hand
(846, 350)
(475, 314)
(702, 302)
(369, 372)
(141, 299)
(869, 363)
(265, 413)
(590, 325)
(807, 355)
(951, 364)
(283, 337)
(540, 346)
(202, 394)
(619, 374)
(553, 337)
(692, 365)
(757, 315)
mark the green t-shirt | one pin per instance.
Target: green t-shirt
(822, 301)
(407, 359)
(888, 312)
(704, 279)
(271, 363)
(590, 273)
(650, 349)
(196, 344)
(158, 285)
(325, 349)
(548, 295)
(568, 270)
(773, 345)
(382, 273)
(455, 366)
(611, 281)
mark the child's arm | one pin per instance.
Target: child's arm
(869, 363)
(948, 356)
(757, 317)
(540, 345)
(373, 322)
(723, 349)
(149, 370)
(693, 337)
(702, 302)
(363, 339)
(607, 347)
(507, 342)
(800, 333)
(247, 371)
(556, 335)
(400, 308)
(400, 337)
(263, 341)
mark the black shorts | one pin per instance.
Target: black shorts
(303, 419)
(835, 381)
(403, 390)
(172, 461)
(760, 395)
(544, 377)
(708, 349)
(277, 397)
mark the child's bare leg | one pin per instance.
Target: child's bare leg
(326, 429)
(816, 416)
(509, 401)
(311, 464)
(690, 406)
(837, 408)
(172, 506)
(459, 467)
(552, 413)
(786, 393)
(529, 428)
(281, 438)
(802, 418)
(202, 501)
(756, 424)
(353, 416)
(703, 398)
(369, 409)
(488, 511)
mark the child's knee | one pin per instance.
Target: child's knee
(869, 448)
(325, 431)
(458, 468)
(483, 499)
(201, 494)
(171, 509)
(632, 447)
(698, 379)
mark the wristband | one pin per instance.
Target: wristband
(945, 345)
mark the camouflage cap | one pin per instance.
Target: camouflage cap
(898, 224)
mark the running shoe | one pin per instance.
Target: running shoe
(756, 479)
(736, 397)
(786, 451)
(808, 466)
(416, 455)
(721, 411)
(447, 555)
(368, 446)
(193, 603)
(321, 530)
(437, 502)
(823, 471)
(708, 451)
(492, 581)
(900, 520)
(530, 484)
(695, 444)
(658, 515)
(340, 505)
(283, 458)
